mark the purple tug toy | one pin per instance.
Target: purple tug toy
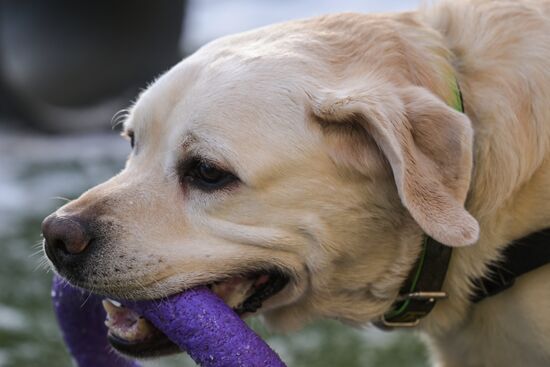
(197, 320)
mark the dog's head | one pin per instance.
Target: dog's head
(291, 169)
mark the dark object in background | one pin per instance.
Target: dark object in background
(69, 65)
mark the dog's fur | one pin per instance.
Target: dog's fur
(342, 132)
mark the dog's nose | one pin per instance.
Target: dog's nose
(64, 236)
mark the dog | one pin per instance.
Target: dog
(295, 169)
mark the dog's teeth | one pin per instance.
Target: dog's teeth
(109, 308)
(115, 303)
(112, 310)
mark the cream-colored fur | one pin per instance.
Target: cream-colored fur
(342, 134)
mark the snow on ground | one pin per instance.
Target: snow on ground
(37, 171)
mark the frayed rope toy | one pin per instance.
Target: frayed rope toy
(197, 320)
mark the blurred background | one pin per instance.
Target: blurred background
(66, 68)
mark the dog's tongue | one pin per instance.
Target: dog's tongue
(197, 320)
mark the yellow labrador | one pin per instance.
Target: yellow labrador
(296, 169)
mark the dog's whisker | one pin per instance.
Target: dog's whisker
(37, 252)
(62, 198)
(142, 286)
(161, 289)
(90, 292)
(42, 265)
(117, 123)
(119, 117)
(37, 245)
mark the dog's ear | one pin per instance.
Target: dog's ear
(427, 144)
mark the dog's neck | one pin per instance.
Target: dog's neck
(507, 195)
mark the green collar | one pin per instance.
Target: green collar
(422, 289)
(457, 102)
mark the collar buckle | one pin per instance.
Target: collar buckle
(421, 290)
(387, 325)
(430, 297)
(424, 296)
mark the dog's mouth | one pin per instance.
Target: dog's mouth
(133, 335)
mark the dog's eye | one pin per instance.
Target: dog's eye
(130, 134)
(207, 176)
